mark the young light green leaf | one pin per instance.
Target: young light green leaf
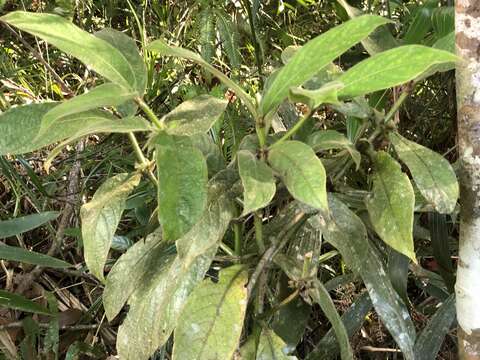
(211, 322)
(320, 295)
(182, 191)
(14, 253)
(18, 302)
(100, 218)
(157, 301)
(162, 48)
(346, 232)
(96, 53)
(432, 173)
(431, 338)
(20, 126)
(325, 140)
(315, 55)
(301, 171)
(390, 205)
(272, 347)
(327, 94)
(23, 224)
(195, 116)
(352, 319)
(126, 45)
(109, 94)
(392, 68)
(258, 182)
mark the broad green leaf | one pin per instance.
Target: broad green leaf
(127, 46)
(129, 270)
(157, 301)
(195, 116)
(421, 23)
(18, 302)
(392, 68)
(431, 172)
(327, 94)
(14, 253)
(211, 322)
(291, 319)
(346, 232)
(431, 338)
(324, 140)
(104, 95)
(272, 347)
(353, 319)
(320, 295)
(379, 40)
(446, 43)
(443, 21)
(257, 180)
(182, 185)
(301, 171)
(20, 126)
(100, 218)
(390, 205)
(23, 224)
(162, 48)
(96, 53)
(315, 55)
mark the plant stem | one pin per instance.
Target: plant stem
(293, 129)
(257, 222)
(238, 239)
(395, 107)
(150, 114)
(141, 158)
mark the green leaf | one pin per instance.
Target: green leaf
(96, 53)
(20, 126)
(182, 185)
(432, 173)
(14, 253)
(353, 319)
(257, 180)
(443, 21)
(346, 232)
(195, 116)
(431, 338)
(104, 95)
(390, 205)
(421, 23)
(272, 347)
(127, 46)
(162, 48)
(392, 68)
(301, 171)
(100, 218)
(17, 302)
(157, 301)
(446, 43)
(324, 140)
(320, 295)
(23, 224)
(211, 322)
(327, 94)
(315, 55)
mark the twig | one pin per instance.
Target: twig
(375, 349)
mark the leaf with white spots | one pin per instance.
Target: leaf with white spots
(432, 173)
(272, 347)
(391, 204)
(211, 322)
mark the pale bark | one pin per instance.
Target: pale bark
(467, 288)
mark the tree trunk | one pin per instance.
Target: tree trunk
(467, 288)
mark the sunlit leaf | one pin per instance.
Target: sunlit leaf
(315, 55)
(327, 94)
(258, 181)
(100, 218)
(431, 172)
(195, 116)
(301, 171)
(211, 322)
(182, 188)
(96, 53)
(390, 205)
(26, 223)
(392, 68)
